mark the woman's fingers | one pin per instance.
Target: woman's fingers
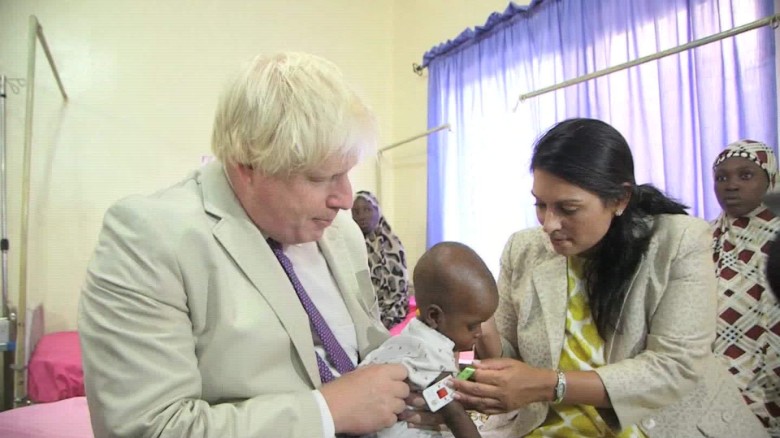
(475, 389)
(479, 396)
(494, 364)
(495, 379)
(481, 404)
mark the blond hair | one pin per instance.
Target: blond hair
(291, 112)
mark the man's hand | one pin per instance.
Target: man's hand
(419, 417)
(368, 399)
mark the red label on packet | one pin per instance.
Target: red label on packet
(439, 394)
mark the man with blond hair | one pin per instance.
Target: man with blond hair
(237, 302)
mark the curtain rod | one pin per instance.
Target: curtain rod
(45, 45)
(414, 137)
(774, 20)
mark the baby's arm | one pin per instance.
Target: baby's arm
(458, 420)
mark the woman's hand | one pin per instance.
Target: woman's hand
(503, 385)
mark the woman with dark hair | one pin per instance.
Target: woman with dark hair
(607, 312)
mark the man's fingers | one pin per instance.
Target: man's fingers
(415, 400)
(399, 390)
(398, 406)
(396, 371)
(421, 419)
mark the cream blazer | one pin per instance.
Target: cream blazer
(660, 373)
(190, 327)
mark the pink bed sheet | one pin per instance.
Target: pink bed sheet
(63, 419)
(55, 371)
(409, 315)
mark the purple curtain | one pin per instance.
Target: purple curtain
(677, 113)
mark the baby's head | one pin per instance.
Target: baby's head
(455, 292)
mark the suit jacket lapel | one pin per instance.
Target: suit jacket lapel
(549, 280)
(251, 253)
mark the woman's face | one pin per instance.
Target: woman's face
(740, 185)
(366, 216)
(574, 218)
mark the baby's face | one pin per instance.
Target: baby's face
(463, 323)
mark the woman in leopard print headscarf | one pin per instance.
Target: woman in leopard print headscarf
(386, 259)
(748, 330)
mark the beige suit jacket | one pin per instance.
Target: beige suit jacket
(660, 373)
(190, 327)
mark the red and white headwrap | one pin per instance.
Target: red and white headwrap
(755, 151)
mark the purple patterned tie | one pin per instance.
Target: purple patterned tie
(333, 350)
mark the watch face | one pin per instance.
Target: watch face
(560, 387)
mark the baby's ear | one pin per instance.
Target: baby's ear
(432, 316)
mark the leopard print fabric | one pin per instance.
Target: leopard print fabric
(387, 261)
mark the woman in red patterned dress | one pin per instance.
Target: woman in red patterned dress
(748, 335)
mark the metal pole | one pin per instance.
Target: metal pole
(39, 32)
(5, 356)
(414, 137)
(20, 379)
(4, 310)
(774, 19)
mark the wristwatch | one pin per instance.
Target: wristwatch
(560, 387)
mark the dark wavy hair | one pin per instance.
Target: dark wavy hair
(594, 156)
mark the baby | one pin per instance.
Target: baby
(455, 293)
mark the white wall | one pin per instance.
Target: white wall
(143, 77)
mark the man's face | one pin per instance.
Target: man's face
(740, 185)
(295, 208)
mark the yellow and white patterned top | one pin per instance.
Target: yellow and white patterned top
(583, 350)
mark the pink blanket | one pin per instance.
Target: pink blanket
(411, 314)
(55, 371)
